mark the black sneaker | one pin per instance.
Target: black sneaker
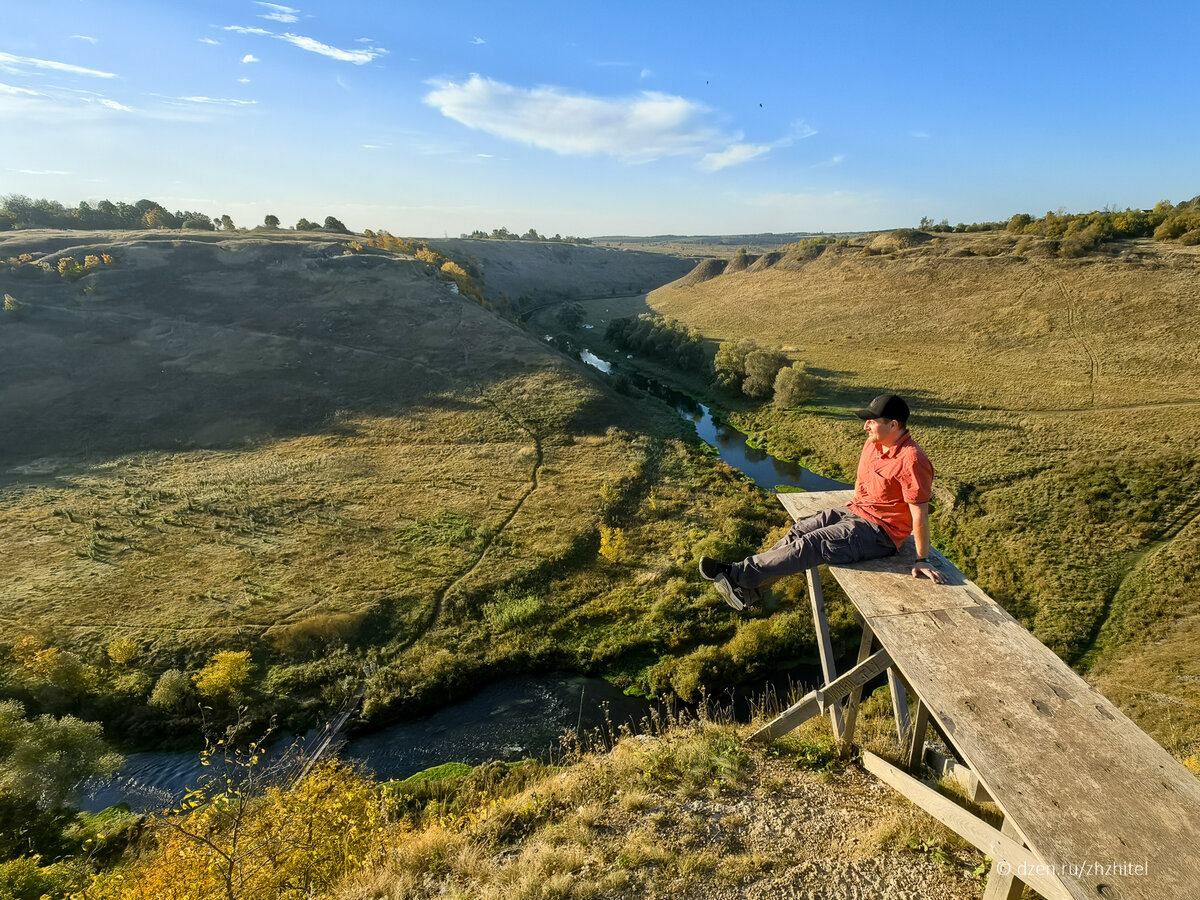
(710, 568)
(735, 595)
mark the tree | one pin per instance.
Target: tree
(761, 368)
(305, 225)
(271, 221)
(42, 759)
(730, 362)
(332, 224)
(226, 673)
(156, 217)
(569, 316)
(794, 386)
(227, 223)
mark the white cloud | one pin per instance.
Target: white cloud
(485, 156)
(243, 81)
(278, 13)
(640, 128)
(358, 57)
(733, 155)
(17, 64)
(364, 40)
(113, 104)
(84, 37)
(218, 101)
(17, 92)
(646, 73)
(478, 40)
(835, 160)
(250, 58)
(210, 41)
(42, 172)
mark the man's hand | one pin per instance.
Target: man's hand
(924, 567)
(926, 570)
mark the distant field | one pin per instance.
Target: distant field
(1056, 398)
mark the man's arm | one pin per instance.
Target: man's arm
(920, 517)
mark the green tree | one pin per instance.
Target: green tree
(730, 362)
(794, 386)
(227, 223)
(761, 368)
(271, 221)
(42, 759)
(569, 316)
(332, 224)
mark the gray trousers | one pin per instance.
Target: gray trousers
(830, 536)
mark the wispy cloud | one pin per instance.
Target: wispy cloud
(243, 81)
(218, 101)
(250, 58)
(17, 91)
(42, 172)
(835, 160)
(113, 104)
(278, 13)
(646, 73)
(733, 155)
(358, 57)
(84, 37)
(640, 128)
(210, 41)
(20, 64)
(478, 40)
(918, 134)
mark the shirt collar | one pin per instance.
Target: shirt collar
(890, 452)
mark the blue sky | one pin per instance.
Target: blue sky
(633, 118)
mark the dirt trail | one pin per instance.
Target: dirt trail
(1072, 317)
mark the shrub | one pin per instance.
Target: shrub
(226, 674)
(729, 365)
(123, 651)
(173, 689)
(794, 386)
(1190, 238)
(69, 268)
(25, 879)
(612, 543)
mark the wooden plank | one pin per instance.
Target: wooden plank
(1071, 772)
(792, 717)
(1004, 885)
(850, 712)
(945, 767)
(824, 643)
(823, 699)
(916, 742)
(899, 705)
(1000, 847)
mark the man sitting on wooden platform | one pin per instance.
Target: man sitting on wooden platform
(891, 501)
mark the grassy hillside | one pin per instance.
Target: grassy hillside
(271, 444)
(1057, 399)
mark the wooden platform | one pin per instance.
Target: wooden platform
(1081, 786)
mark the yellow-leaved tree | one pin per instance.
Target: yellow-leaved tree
(227, 673)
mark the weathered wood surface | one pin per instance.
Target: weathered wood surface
(1093, 794)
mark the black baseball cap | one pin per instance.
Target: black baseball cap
(886, 406)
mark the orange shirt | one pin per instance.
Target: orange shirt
(888, 480)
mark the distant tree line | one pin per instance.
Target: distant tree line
(1078, 233)
(666, 340)
(503, 234)
(19, 211)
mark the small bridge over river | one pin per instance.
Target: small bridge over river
(1094, 808)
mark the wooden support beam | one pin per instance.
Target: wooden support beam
(824, 643)
(945, 767)
(1006, 886)
(899, 704)
(915, 756)
(999, 846)
(851, 709)
(819, 701)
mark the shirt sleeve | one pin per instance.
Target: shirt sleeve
(916, 479)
